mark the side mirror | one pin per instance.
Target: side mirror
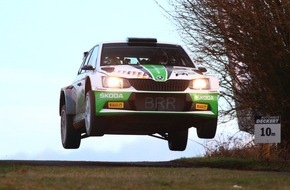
(88, 68)
(202, 69)
(86, 54)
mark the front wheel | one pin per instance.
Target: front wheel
(90, 114)
(208, 129)
(177, 140)
(70, 137)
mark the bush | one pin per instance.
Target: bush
(241, 145)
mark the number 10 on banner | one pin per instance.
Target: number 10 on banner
(267, 130)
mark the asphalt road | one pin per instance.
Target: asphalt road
(95, 164)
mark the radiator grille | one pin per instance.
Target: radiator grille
(151, 85)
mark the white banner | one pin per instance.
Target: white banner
(267, 129)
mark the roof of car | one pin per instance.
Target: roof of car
(141, 41)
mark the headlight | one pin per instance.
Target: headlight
(115, 82)
(199, 84)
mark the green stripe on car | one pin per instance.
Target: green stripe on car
(158, 72)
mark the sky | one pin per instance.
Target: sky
(41, 48)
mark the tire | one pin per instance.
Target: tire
(70, 137)
(177, 140)
(90, 114)
(208, 130)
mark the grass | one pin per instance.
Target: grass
(236, 163)
(19, 176)
(222, 167)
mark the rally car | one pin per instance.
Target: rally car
(139, 87)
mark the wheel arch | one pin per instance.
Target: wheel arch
(88, 85)
(61, 101)
(67, 98)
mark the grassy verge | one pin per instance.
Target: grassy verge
(198, 176)
(235, 164)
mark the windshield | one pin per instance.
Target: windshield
(124, 54)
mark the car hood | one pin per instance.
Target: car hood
(155, 72)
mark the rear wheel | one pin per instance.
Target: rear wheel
(177, 140)
(208, 130)
(90, 114)
(70, 137)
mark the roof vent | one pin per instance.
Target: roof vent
(141, 40)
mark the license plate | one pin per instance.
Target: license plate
(115, 105)
(201, 106)
(157, 102)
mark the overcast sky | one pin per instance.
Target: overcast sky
(41, 46)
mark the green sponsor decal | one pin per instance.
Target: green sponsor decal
(204, 97)
(209, 98)
(101, 97)
(158, 72)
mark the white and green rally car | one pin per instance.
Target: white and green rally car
(139, 87)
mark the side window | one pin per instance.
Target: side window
(85, 61)
(94, 56)
(90, 59)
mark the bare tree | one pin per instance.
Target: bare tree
(247, 43)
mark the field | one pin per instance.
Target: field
(77, 175)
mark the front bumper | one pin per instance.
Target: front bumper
(168, 103)
(120, 112)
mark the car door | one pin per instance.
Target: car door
(86, 69)
(79, 83)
